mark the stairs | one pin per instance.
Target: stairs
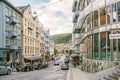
(113, 76)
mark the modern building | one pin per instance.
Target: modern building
(47, 45)
(97, 26)
(31, 30)
(10, 32)
(47, 41)
(52, 45)
(42, 39)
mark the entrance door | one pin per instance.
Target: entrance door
(115, 45)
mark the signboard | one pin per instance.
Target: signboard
(114, 36)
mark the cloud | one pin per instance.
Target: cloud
(56, 16)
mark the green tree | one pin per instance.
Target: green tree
(70, 51)
(67, 51)
(55, 51)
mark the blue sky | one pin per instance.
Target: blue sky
(57, 17)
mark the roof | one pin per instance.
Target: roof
(22, 8)
(9, 4)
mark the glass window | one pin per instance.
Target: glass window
(103, 45)
(7, 11)
(119, 49)
(95, 46)
(118, 8)
(102, 16)
(11, 13)
(89, 23)
(7, 41)
(95, 20)
(108, 13)
(89, 47)
(114, 13)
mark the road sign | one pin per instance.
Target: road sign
(114, 36)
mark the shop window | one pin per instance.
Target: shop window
(95, 46)
(114, 13)
(102, 16)
(103, 46)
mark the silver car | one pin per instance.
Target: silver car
(5, 69)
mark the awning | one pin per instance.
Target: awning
(35, 57)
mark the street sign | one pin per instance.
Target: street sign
(114, 36)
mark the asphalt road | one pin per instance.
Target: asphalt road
(50, 73)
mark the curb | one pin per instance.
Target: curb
(69, 75)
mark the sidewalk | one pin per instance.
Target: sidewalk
(77, 74)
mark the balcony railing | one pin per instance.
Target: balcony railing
(13, 34)
(75, 17)
(13, 47)
(13, 20)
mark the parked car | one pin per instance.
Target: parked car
(26, 67)
(37, 65)
(64, 67)
(56, 62)
(5, 69)
(44, 64)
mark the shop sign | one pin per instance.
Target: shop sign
(114, 36)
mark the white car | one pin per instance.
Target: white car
(56, 62)
(5, 69)
(64, 67)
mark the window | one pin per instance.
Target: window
(7, 41)
(11, 13)
(7, 11)
(118, 8)
(7, 27)
(114, 13)
(95, 20)
(95, 46)
(108, 14)
(102, 16)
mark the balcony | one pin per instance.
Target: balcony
(74, 6)
(13, 47)
(13, 34)
(75, 17)
(13, 20)
(76, 29)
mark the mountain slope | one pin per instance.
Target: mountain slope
(61, 38)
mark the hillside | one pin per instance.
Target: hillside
(61, 38)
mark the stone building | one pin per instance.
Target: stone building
(31, 31)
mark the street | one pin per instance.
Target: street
(50, 73)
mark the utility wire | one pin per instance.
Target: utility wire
(51, 4)
(48, 5)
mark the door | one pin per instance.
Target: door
(115, 45)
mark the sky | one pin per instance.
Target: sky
(56, 16)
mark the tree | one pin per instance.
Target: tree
(55, 51)
(67, 51)
(70, 51)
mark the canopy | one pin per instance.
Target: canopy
(35, 57)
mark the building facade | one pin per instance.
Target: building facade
(47, 41)
(31, 29)
(10, 32)
(42, 40)
(52, 45)
(97, 22)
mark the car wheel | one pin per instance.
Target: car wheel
(8, 72)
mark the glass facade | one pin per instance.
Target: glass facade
(96, 33)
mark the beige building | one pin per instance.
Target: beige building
(31, 34)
